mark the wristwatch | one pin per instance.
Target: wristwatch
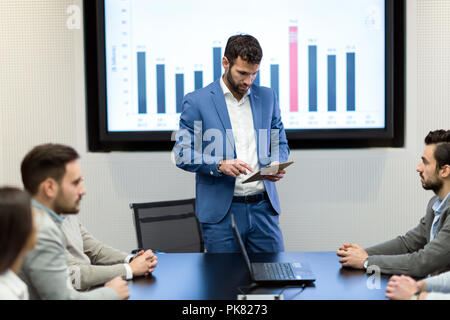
(366, 263)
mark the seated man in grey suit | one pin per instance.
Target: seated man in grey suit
(91, 263)
(52, 175)
(425, 249)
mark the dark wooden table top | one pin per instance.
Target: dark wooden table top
(209, 276)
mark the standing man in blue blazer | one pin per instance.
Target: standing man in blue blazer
(229, 129)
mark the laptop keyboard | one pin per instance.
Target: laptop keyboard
(279, 271)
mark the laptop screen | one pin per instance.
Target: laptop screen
(241, 244)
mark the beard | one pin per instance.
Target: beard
(233, 85)
(62, 205)
(433, 184)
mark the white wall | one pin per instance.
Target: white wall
(328, 197)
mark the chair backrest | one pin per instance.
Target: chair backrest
(168, 226)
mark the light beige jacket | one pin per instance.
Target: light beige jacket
(91, 263)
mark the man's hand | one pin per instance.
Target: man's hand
(234, 167)
(153, 263)
(143, 263)
(275, 177)
(401, 288)
(120, 286)
(352, 255)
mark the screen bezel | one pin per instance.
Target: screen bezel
(99, 139)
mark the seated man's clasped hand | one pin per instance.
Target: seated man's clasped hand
(404, 288)
(352, 255)
(144, 263)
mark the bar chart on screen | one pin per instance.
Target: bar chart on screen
(326, 67)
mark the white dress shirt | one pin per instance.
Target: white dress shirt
(241, 118)
(12, 287)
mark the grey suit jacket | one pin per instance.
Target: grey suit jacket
(44, 269)
(414, 254)
(91, 263)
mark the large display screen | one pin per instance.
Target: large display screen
(329, 62)
(324, 59)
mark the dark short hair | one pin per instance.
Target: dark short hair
(45, 161)
(244, 46)
(15, 224)
(441, 138)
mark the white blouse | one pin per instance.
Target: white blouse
(12, 287)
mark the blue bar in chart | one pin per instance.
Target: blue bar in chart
(217, 62)
(275, 79)
(161, 88)
(332, 82)
(322, 77)
(198, 79)
(312, 76)
(351, 81)
(179, 85)
(142, 83)
(257, 79)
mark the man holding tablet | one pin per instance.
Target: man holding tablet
(246, 121)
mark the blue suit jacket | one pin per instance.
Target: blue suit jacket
(205, 138)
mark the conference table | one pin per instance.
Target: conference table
(224, 276)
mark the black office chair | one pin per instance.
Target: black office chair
(168, 226)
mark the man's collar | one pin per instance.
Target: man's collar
(446, 200)
(439, 206)
(52, 214)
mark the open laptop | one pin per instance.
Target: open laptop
(274, 273)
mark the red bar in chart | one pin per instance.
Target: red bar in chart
(293, 67)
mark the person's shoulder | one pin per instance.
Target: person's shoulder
(48, 230)
(261, 88)
(431, 202)
(71, 221)
(42, 219)
(264, 92)
(447, 205)
(446, 213)
(11, 286)
(5, 290)
(199, 100)
(6, 293)
(202, 92)
(45, 221)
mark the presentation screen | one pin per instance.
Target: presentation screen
(327, 61)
